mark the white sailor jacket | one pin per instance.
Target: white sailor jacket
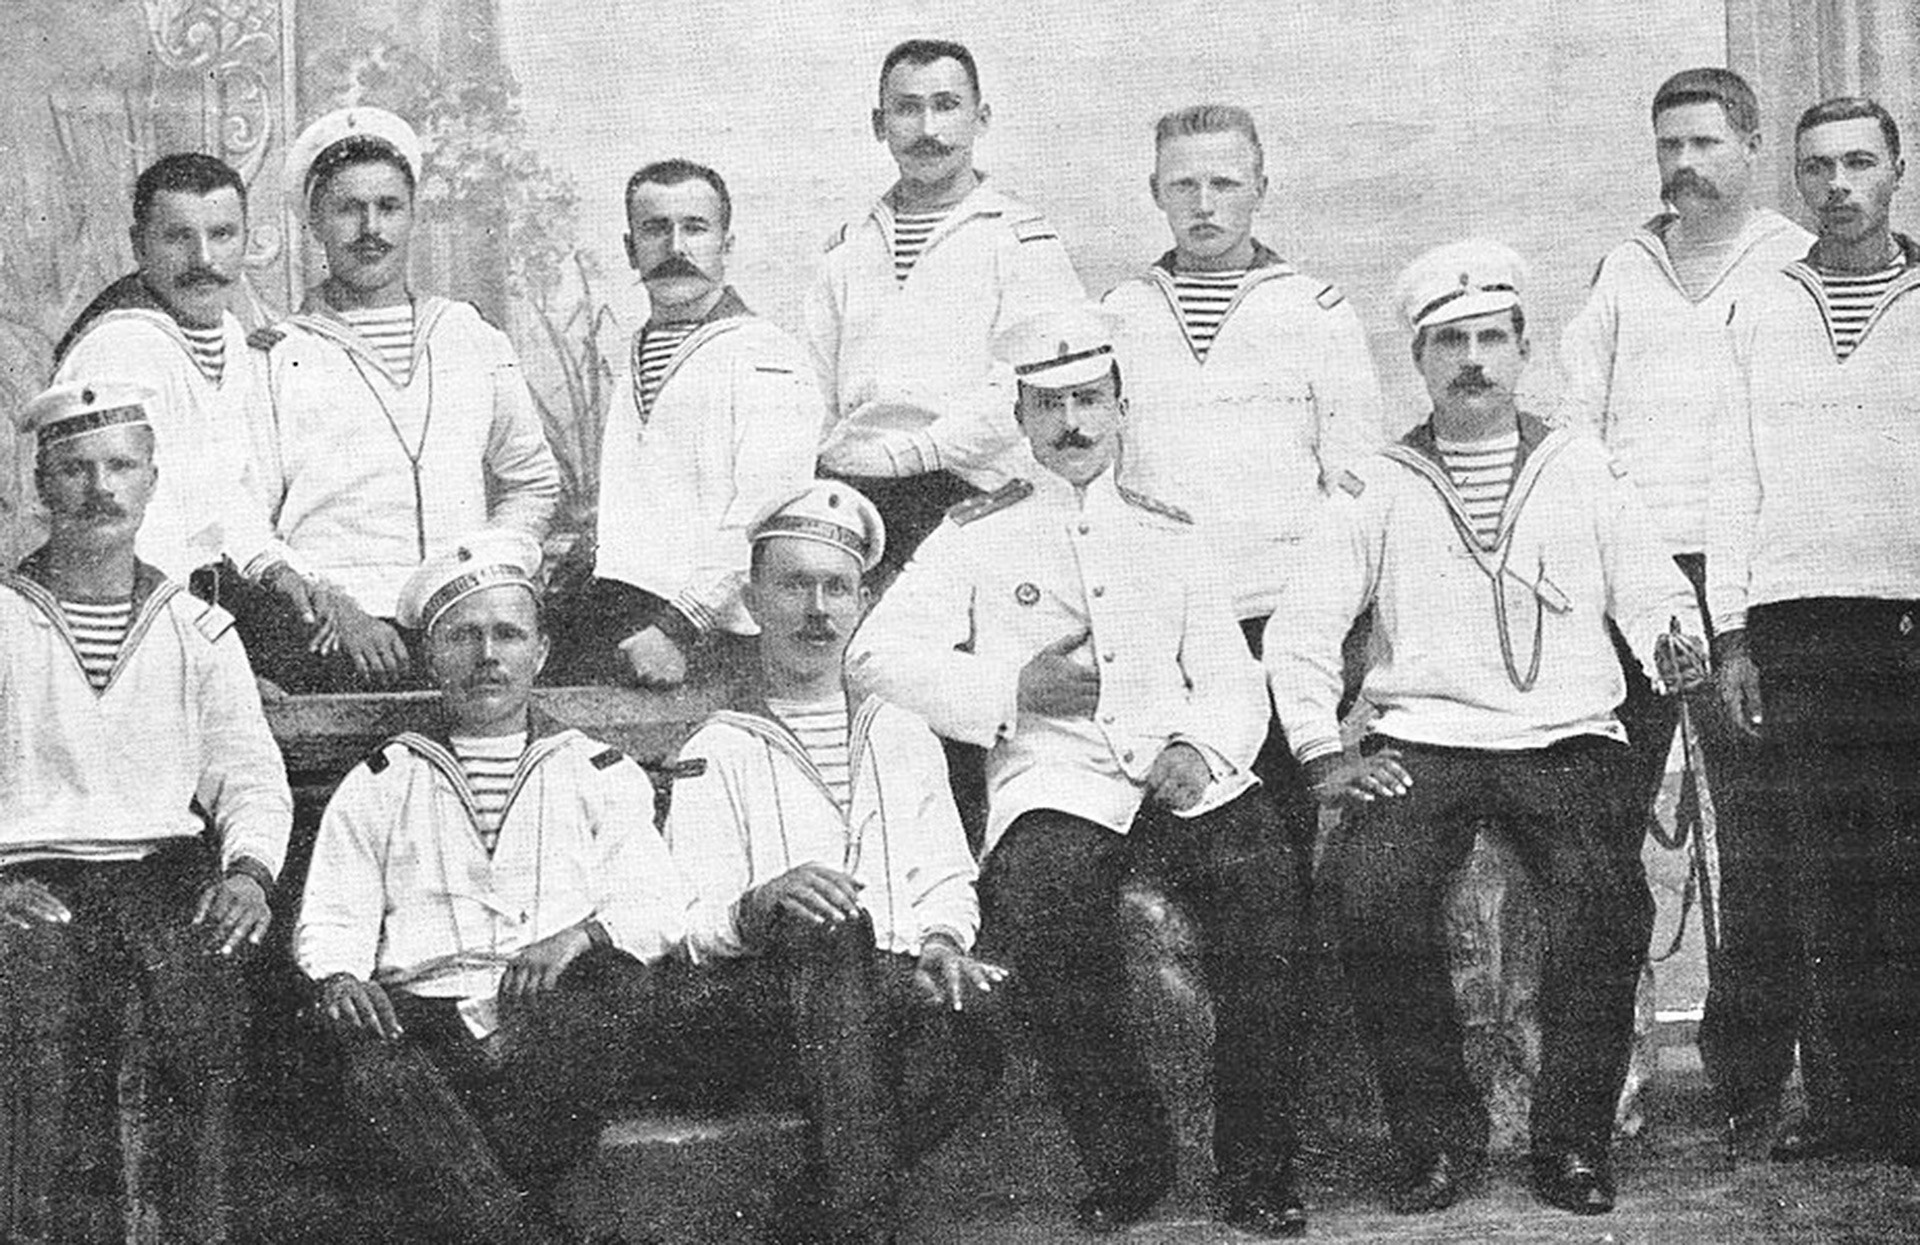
(403, 892)
(117, 773)
(750, 805)
(366, 477)
(884, 349)
(1472, 648)
(733, 430)
(1008, 574)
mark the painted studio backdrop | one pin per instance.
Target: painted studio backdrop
(1388, 127)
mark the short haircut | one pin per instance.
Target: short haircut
(1022, 386)
(1519, 330)
(672, 173)
(1210, 119)
(352, 150)
(1711, 85)
(927, 51)
(1848, 108)
(187, 172)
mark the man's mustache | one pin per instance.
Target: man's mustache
(823, 634)
(1470, 380)
(1074, 439)
(194, 277)
(370, 247)
(928, 146)
(674, 266)
(101, 510)
(1687, 180)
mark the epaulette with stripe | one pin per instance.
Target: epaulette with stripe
(1330, 296)
(1153, 505)
(213, 622)
(1035, 229)
(377, 760)
(678, 770)
(974, 508)
(1350, 484)
(266, 337)
(607, 759)
(835, 238)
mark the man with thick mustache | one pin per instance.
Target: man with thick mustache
(910, 298)
(144, 816)
(1493, 553)
(167, 328)
(395, 423)
(486, 896)
(834, 910)
(715, 416)
(1813, 575)
(1646, 365)
(1071, 626)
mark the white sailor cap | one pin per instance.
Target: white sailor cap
(1459, 280)
(77, 408)
(486, 559)
(343, 123)
(830, 512)
(1061, 347)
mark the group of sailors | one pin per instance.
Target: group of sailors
(912, 539)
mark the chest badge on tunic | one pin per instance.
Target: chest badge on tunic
(1027, 594)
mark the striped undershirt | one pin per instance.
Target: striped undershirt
(1852, 298)
(821, 727)
(657, 344)
(1482, 473)
(910, 233)
(389, 330)
(488, 762)
(98, 631)
(1203, 298)
(209, 349)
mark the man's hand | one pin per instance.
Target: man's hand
(946, 974)
(1336, 780)
(1055, 686)
(26, 902)
(1179, 776)
(1681, 661)
(292, 587)
(238, 911)
(656, 660)
(375, 648)
(1739, 682)
(810, 893)
(349, 1003)
(536, 969)
(875, 446)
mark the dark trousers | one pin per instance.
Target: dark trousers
(64, 990)
(1282, 776)
(276, 639)
(883, 1072)
(481, 1131)
(1391, 865)
(589, 619)
(1748, 1033)
(1840, 683)
(1052, 892)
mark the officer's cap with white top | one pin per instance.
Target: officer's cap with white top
(78, 408)
(831, 513)
(339, 125)
(1060, 347)
(1457, 281)
(484, 560)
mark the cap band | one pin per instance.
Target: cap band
(814, 529)
(1499, 287)
(1028, 369)
(468, 583)
(55, 431)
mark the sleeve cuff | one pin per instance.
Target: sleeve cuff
(1314, 749)
(597, 936)
(247, 866)
(943, 933)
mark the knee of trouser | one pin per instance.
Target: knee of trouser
(842, 940)
(1154, 929)
(375, 1070)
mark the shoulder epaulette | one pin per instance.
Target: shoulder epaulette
(266, 337)
(1597, 269)
(1154, 505)
(213, 622)
(974, 508)
(607, 759)
(1330, 296)
(1035, 229)
(678, 770)
(1350, 484)
(835, 238)
(377, 761)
